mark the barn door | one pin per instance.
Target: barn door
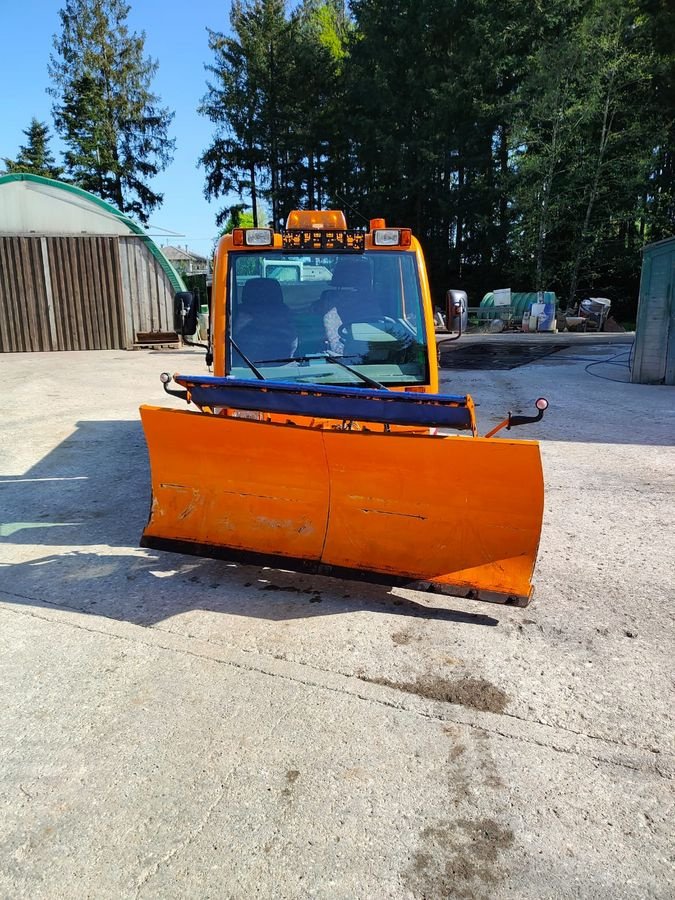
(84, 273)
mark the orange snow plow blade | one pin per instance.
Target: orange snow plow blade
(462, 514)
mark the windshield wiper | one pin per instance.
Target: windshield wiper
(256, 372)
(334, 359)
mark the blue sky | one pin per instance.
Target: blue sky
(176, 37)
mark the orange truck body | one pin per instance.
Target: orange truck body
(395, 503)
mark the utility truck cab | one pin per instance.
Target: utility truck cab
(324, 305)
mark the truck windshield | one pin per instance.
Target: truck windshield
(289, 314)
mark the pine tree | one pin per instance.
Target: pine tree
(583, 143)
(245, 101)
(35, 157)
(104, 109)
(270, 99)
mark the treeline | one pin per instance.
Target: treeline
(528, 145)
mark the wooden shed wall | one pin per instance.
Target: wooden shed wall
(654, 354)
(80, 293)
(26, 322)
(60, 293)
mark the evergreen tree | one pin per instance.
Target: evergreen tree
(529, 146)
(104, 109)
(320, 34)
(35, 157)
(583, 149)
(657, 212)
(431, 89)
(241, 101)
(270, 102)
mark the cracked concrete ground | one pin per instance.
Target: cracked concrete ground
(179, 727)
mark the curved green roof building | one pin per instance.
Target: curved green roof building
(76, 273)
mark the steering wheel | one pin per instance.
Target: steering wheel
(343, 332)
(402, 334)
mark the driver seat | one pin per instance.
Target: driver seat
(349, 299)
(267, 330)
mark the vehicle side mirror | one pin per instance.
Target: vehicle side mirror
(456, 311)
(185, 311)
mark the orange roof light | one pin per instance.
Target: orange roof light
(377, 223)
(316, 220)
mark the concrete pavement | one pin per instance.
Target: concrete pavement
(177, 727)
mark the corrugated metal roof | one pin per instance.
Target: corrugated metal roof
(129, 225)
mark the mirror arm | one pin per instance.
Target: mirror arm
(458, 313)
(207, 347)
(183, 313)
(186, 340)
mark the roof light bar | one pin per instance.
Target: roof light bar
(300, 239)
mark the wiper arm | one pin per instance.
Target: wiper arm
(365, 378)
(334, 359)
(256, 372)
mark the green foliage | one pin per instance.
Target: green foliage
(35, 157)
(270, 98)
(528, 145)
(583, 156)
(238, 218)
(104, 109)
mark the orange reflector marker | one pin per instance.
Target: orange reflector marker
(352, 503)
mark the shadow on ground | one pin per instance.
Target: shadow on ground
(92, 491)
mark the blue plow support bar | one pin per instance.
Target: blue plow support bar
(331, 402)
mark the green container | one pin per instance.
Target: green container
(521, 300)
(654, 349)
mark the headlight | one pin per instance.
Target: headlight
(259, 237)
(392, 237)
